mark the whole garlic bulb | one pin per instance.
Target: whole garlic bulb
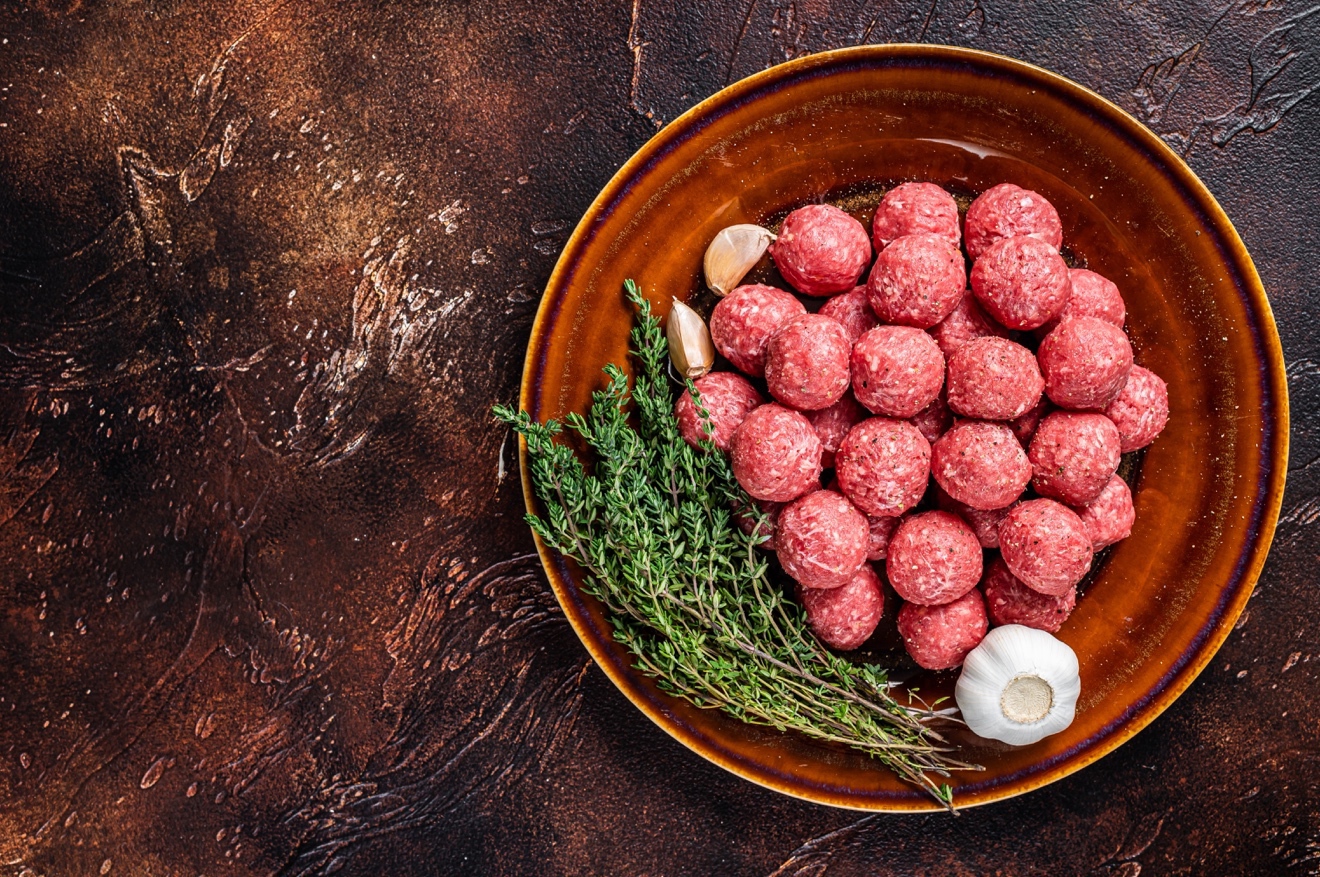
(1018, 686)
(732, 254)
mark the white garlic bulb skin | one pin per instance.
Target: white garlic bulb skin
(1019, 685)
(732, 254)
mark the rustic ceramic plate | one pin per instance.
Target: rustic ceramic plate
(840, 127)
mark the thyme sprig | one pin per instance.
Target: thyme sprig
(651, 526)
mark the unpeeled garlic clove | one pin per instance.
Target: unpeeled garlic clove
(690, 347)
(732, 254)
(1018, 686)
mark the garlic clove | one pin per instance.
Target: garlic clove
(732, 254)
(1018, 686)
(690, 347)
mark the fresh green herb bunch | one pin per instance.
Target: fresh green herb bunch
(651, 525)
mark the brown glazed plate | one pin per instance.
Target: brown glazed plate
(841, 127)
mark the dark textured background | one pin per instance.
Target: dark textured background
(266, 601)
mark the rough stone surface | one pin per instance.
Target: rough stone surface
(268, 582)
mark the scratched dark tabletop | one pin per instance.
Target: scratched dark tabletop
(267, 604)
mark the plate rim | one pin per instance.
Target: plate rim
(1275, 380)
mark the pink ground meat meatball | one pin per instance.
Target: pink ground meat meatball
(821, 250)
(985, 524)
(939, 637)
(915, 208)
(844, 618)
(1109, 517)
(727, 398)
(1091, 295)
(980, 464)
(775, 454)
(1008, 601)
(806, 362)
(1006, 211)
(882, 533)
(1141, 409)
(1046, 546)
(993, 379)
(934, 420)
(1021, 282)
(917, 281)
(1024, 427)
(896, 370)
(833, 423)
(966, 321)
(743, 321)
(934, 558)
(822, 539)
(1085, 362)
(853, 311)
(1073, 455)
(883, 466)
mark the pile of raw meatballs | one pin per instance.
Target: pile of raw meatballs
(912, 377)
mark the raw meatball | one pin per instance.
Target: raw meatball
(1109, 517)
(1085, 362)
(896, 370)
(985, 524)
(934, 420)
(1024, 427)
(1091, 295)
(853, 312)
(915, 208)
(917, 281)
(844, 618)
(775, 454)
(744, 320)
(1021, 282)
(980, 464)
(746, 522)
(882, 533)
(939, 637)
(822, 540)
(727, 398)
(1045, 545)
(1008, 601)
(883, 466)
(964, 322)
(882, 528)
(1073, 456)
(833, 423)
(1006, 211)
(993, 379)
(806, 362)
(821, 250)
(934, 558)
(1141, 409)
